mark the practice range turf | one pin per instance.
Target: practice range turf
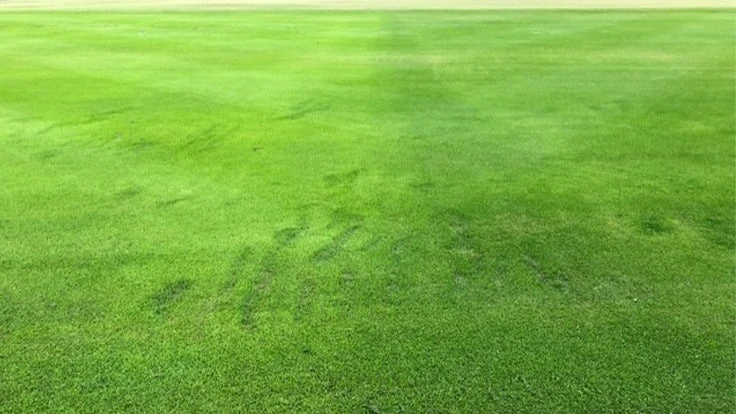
(383, 212)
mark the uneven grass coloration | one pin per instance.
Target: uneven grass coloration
(130, 5)
(372, 212)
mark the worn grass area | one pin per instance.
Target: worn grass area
(367, 212)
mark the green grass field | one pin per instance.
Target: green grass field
(379, 212)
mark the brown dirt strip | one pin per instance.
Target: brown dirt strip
(359, 4)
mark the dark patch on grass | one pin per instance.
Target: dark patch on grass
(501, 269)
(347, 279)
(369, 407)
(169, 294)
(171, 202)
(288, 236)
(140, 145)
(6, 264)
(52, 127)
(393, 285)
(256, 149)
(104, 115)
(552, 278)
(128, 193)
(399, 249)
(424, 186)
(416, 137)
(236, 267)
(21, 119)
(258, 289)
(721, 231)
(467, 261)
(306, 292)
(96, 384)
(345, 178)
(460, 226)
(342, 217)
(303, 108)
(566, 188)
(207, 139)
(201, 140)
(371, 244)
(655, 224)
(335, 246)
(91, 119)
(59, 125)
(9, 312)
(46, 155)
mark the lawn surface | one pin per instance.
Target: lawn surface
(369, 211)
(358, 4)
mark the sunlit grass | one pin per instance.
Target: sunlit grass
(367, 212)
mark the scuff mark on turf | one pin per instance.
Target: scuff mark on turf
(342, 217)
(303, 108)
(208, 139)
(370, 407)
(372, 244)
(169, 294)
(552, 278)
(88, 120)
(288, 236)
(171, 202)
(720, 231)
(348, 278)
(236, 268)
(139, 145)
(346, 178)
(336, 245)
(423, 186)
(21, 119)
(252, 299)
(467, 261)
(47, 155)
(128, 193)
(655, 224)
(284, 238)
(104, 115)
(399, 250)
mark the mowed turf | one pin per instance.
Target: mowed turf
(370, 211)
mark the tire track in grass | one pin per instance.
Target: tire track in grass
(258, 291)
(335, 245)
(553, 278)
(422, 83)
(421, 75)
(411, 71)
(236, 268)
(169, 295)
(468, 259)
